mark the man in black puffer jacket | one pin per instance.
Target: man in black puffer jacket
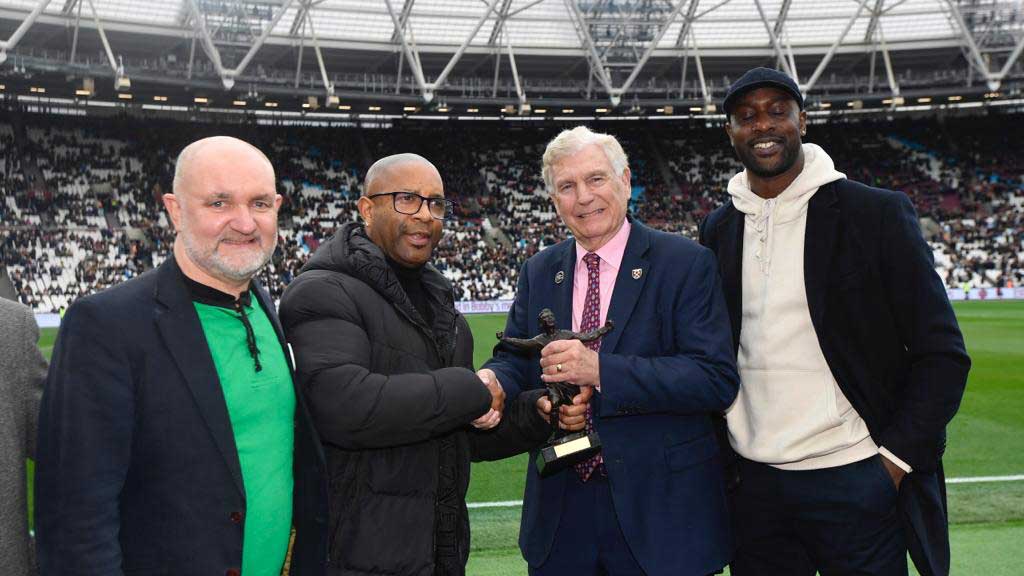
(386, 362)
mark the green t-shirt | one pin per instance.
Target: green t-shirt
(261, 406)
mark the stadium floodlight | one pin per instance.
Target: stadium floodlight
(508, 109)
(121, 81)
(472, 110)
(3, 87)
(442, 109)
(540, 110)
(955, 98)
(409, 109)
(924, 100)
(601, 110)
(669, 110)
(160, 98)
(696, 109)
(525, 109)
(858, 104)
(84, 93)
(824, 105)
(568, 111)
(332, 101)
(124, 96)
(270, 104)
(710, 108)
(374, 108)
(201, 100)
(239, 102)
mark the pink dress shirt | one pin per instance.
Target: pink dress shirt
(611, 258)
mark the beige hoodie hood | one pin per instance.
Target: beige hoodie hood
(763, 215)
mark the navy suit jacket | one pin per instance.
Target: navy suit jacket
(665, 368)
(887, 331)
(137, 470)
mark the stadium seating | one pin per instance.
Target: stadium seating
(81, 203)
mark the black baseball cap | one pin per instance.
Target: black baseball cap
(757, 78)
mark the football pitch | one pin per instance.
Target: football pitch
(985, 442)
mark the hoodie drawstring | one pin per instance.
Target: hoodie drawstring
(764, 226)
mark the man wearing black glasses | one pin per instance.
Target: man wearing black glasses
(386, 360)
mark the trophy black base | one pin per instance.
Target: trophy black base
(567, 451)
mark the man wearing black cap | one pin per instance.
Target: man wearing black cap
(851, 361)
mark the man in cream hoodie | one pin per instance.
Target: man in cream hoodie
(851, 361)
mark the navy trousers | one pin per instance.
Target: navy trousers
(840, 521)
(589, 540)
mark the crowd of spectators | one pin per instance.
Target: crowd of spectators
(81, 206)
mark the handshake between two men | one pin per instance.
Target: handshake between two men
(561, 361)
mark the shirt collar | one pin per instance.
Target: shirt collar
(613, 250)
(211, 296)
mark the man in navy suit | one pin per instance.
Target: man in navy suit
(653, 501)
(171, 438)
(850, 356)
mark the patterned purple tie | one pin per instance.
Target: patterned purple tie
(590, 321)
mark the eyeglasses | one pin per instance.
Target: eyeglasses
(410, 203)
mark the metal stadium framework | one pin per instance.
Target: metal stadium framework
(519, 57)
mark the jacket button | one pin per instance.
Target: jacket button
(236, 517)
(233, 572)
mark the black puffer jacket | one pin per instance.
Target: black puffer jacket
(392, 399)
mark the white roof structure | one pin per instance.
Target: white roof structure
(608, 42)
(549, 24)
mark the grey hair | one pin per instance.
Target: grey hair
(569, 142)
(189, 153)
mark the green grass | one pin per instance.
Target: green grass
(484, 326)
(46, 338)
(987, 435)
(978, 550)
(30, 471)
(986, 438)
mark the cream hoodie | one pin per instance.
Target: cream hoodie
(790, 412)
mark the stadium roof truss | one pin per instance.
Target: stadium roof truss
(613, 39)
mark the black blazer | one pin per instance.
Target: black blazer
(137, 470)
(887, 331)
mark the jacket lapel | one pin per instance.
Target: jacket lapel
(629, 283)
(562, 275)
(268, 308)
(819, 244)
(729, 236)
(183, 335)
